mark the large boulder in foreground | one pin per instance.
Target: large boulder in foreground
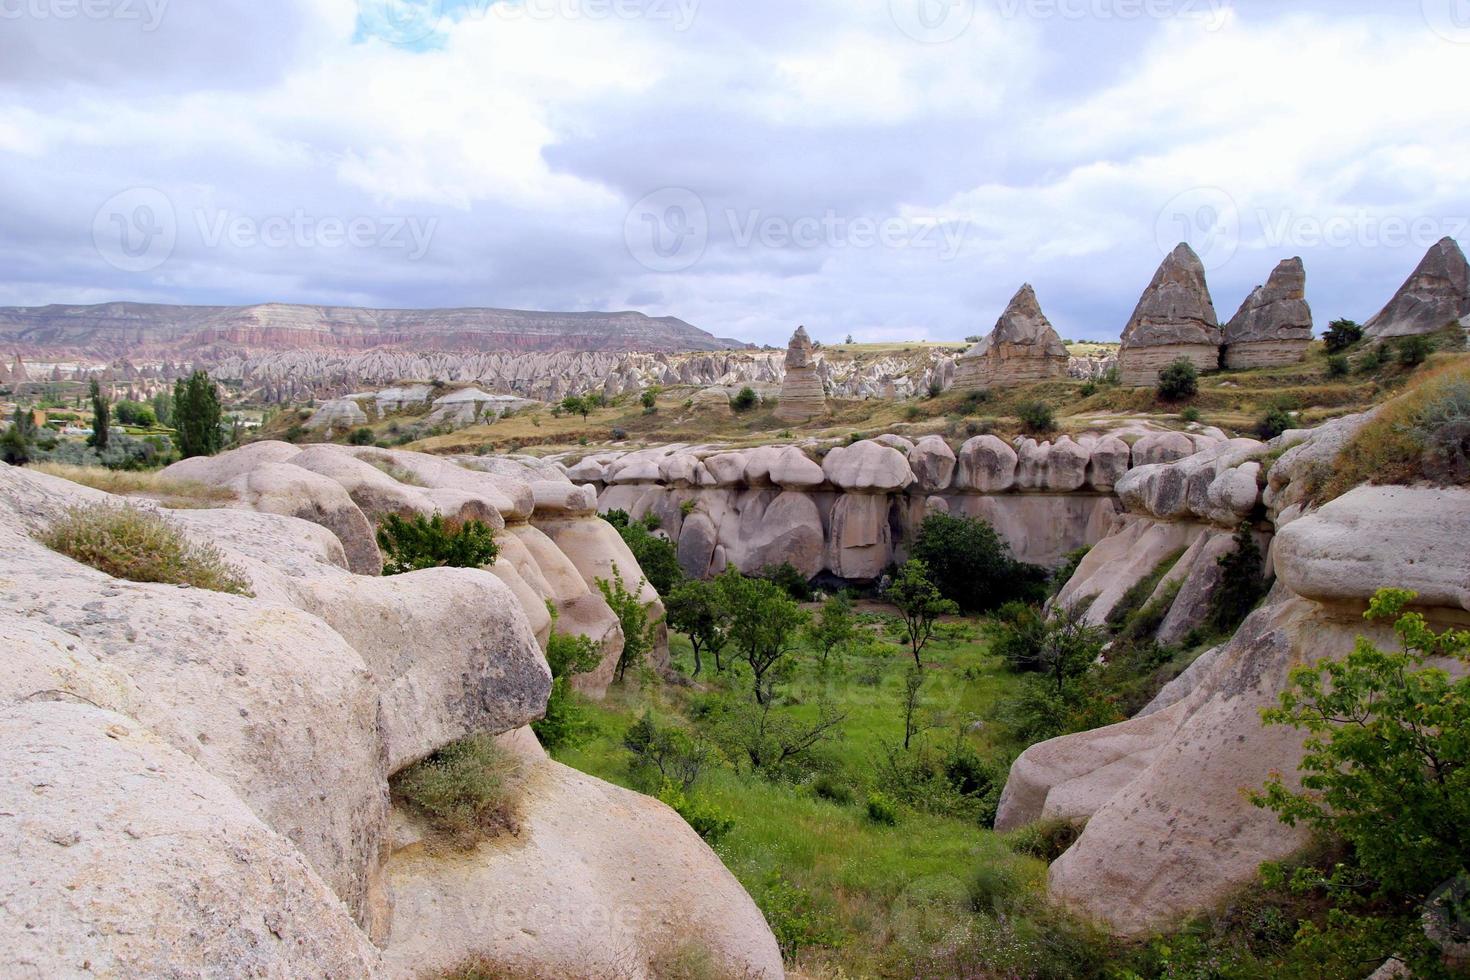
(1436, 296)
(1175, 319)
(599, 882)
(1274, 324)
(1023, 348)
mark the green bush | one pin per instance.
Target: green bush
(1340, 335)
(1044, 839)
(1414, 351)
(135, 413)
(1372, 359)
(632, 616)
(704, 818)
(1179, 381)
(1443, 428)
(658, 557)
(828, 787)
(565, 722)
(466, 790)
(361, 437)
(1276, 421)
(1241, 583)
(1036, 417)
(1338, 366)
(745, 400)
(790, 580)
(418, 542)
(140, 546)
(972, 566)
(882, 810)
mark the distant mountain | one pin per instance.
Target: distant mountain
(145, 330)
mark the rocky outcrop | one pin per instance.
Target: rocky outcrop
(1436, 296)
(1174, 319)
(471, 406)
(802, 396)
(1023, 348)
(336, 415)
(1274, 324)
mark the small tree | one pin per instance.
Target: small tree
(913, 703)
(101, 418)
(577, 405)
(745, 400)
(1414, 351)
(834, 629)
(568, 655)
(1276, 421)
(163, 407)
(197, 416)
(1037, 417)
(1386, 752)
(1340, 335)
(970, 563)
(1241, 583)
(411, 544)
(135, 413)
(657, 557)
(764, 624)
(697, 609)
(1179, 381)
(920, 604)
(649, 400)
(632, 615)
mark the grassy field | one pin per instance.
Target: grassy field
(842, 891)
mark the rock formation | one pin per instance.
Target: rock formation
(249, 740)
(1434, 297)
(18, 372)
(1022, 348)
(1175, 318)
(802, 396)
(1274, 324)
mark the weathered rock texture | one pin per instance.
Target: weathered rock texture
(1175, 318)
(802, 396)
(1436, 296)
(1023, 348)
(1274, 324)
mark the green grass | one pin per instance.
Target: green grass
(838, 888)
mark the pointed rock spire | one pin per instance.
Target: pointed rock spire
(1174, 318)
(1436, 295)
(802, 396)
(1274, 324)
(1023, 347)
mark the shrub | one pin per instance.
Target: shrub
(833, 790)
(882, 810)
(135, 413)
(790, 580)
(1190, 415)
(1178, 381)
(745, 400)
(972, 566)
(665, 756)
(632, 615)
(920, 603)
(1044, 839)
(1241, 584)
(1276, 421)
(704, 818)
(1371, 360)
(657, 556)
(1036, 417)
(1089, 388)
(139, 546)
(1340, 335)
(1414, 351)
(565, 722)
(466, 791)
(1338, 366)
(418, 542)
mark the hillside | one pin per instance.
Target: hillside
(141, 330)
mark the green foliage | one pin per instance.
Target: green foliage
(197, 416)
(764, 625)
(745, 400)
(971, 565)
(101, 418)
(882, 810)
(657, 556)
(795, 917)
(1276, 421)
(140, 546)
(1036, 417)
(1414, 350)
(1061, 647)
(1372, 359)
(790, 580)
(467, 790)
(567, 654)
(1044, 839)
(697, 609)
(704, 818)
(135, 413)
(361, 437)
(1338, 366)
(410, 544)
(1340, 335)
(649, 400)
(632, 614)
(1136, 597)
(163, 407)
(777, 743)
(1241, 583)
(1387, 763)
(1190, 415)
(1063, 573)
(582, 405)
(1443, 429)
(920, 603)
(1179, 381)
(17, 445)
(834, 629)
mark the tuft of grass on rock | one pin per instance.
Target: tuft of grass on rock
(174, 494)
(467, 791)
(140, 546)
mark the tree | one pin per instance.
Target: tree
(568, 655)
(578, 405)
(101, 418)
(920, 604)
(632, 616)
(1340, 335)
(197, 416)
(1241, 583)
(913, 690)
(1387, 763)
(697, 609)
(772, 741)
(834, 629)
(649, 400)
(657, 556)
(971, 565)
(1037, 417)
(411, 544)
(18, 444)
(764, 624)
(675, 755)
(1276, 421)
(129, 412)
(745, 400)
(1414, 351)
(163, 407)
(1179, 381)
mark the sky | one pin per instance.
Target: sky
(885, 169)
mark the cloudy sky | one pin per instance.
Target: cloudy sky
(890, 169)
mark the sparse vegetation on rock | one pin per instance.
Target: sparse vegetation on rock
(466, 790)
(140, 546)
(411, 544)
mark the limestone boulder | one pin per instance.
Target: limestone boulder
(933, 464)
(860, 544)
(1435, 296)
(986, 465)
(791, 469)
(1274, 325)
(1128, 555)
(775, 528)
(894, 441)
(1162, 447)
(1066, 467)
(1175, 318)
(1110, 459)
(868, 467)
(1192, 605)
